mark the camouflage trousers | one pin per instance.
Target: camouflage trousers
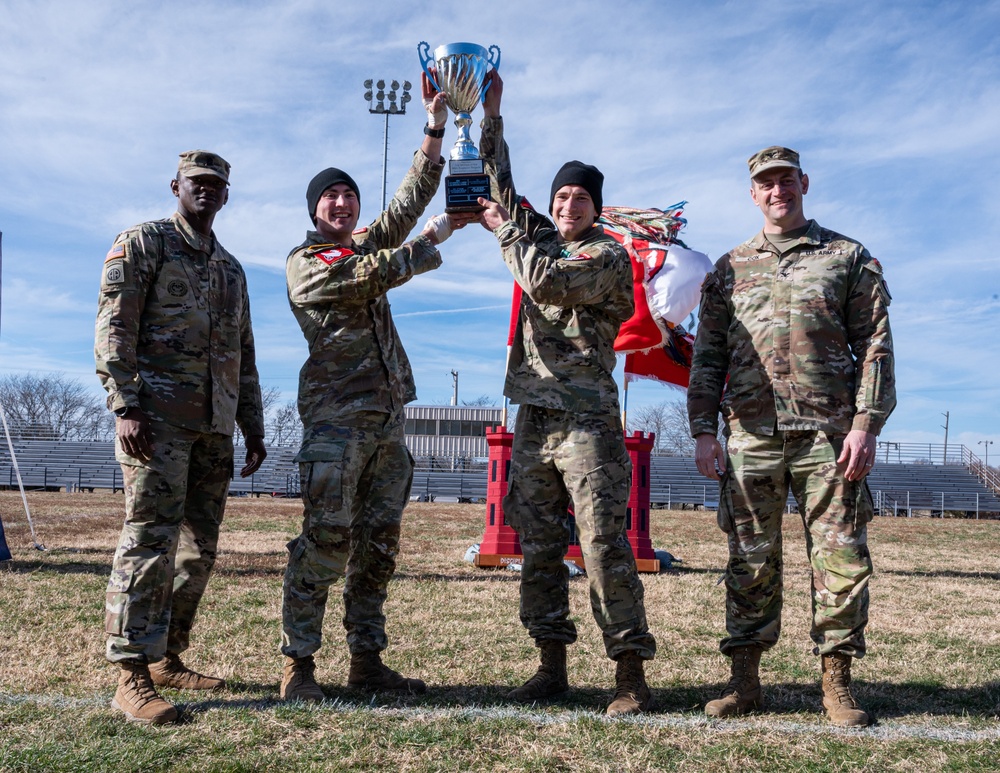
(834, 512)
(174, 505)
(562, 459)
(355, 482)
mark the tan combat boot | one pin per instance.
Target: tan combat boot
(838, 702)
(170, 672)
(298, 681)
(632, 695)
(368, 672)
(550, 679)
(137, 699)
(742, 693)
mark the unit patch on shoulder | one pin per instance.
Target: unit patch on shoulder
(332, 254)
(114, 271)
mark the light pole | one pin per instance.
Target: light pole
(944, 456)
(986, 444)
(377, 104)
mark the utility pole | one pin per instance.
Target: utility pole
(986, 444)
(944, 459)
(454, 393)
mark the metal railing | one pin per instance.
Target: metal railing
(939, 502)
(465, 479)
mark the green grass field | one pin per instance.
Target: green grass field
(932, 677)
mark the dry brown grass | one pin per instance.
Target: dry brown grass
(932, 669)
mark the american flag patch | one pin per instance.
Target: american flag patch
(118, 251)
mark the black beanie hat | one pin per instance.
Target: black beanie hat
(586, 176)
(324, 180)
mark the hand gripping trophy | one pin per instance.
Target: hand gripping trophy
(461, 76)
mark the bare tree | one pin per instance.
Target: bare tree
(669, 420)
(269, 396)
(53, 406)
(286, 427)
(483, 401)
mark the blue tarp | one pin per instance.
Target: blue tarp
(4, 550)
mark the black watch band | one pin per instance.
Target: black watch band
(435, 133)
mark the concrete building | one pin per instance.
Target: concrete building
(449, 431)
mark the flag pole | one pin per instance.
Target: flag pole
(625, 405)
(20, 483)
(10, 445)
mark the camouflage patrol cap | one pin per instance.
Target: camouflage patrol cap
(198, 162)
(774, 157)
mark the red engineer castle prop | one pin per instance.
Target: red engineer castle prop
(500, 544)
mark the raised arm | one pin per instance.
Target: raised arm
(496, 155)
(393, 226)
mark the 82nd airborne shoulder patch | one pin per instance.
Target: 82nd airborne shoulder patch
(114, 266)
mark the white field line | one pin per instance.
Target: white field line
(887, 730)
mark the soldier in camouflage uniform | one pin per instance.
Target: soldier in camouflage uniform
(354, 465)
(797, 320)
(569, 446)
(175, 352)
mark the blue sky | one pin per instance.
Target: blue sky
(894, 106)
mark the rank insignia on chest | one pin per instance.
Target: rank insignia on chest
(332, 254)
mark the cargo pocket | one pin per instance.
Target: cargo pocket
(864, 505)
(609, 490)
(116, 604)
(724, 515)
(323, 487)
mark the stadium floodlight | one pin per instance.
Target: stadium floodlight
(386, 103)
(986, 445)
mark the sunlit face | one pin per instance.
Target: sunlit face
(337, 212)
(778, 193)
(573, 211)
(202, 196)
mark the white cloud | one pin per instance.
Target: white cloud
(893, 105)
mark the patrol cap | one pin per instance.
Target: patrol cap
(774, 157)
(198, 162)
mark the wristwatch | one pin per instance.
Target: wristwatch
(120, 412)
(435, 133)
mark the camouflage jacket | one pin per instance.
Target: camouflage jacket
(173, 333)
(575, 297)
(356, 362)
(803, 338)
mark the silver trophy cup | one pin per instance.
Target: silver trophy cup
(461, 75)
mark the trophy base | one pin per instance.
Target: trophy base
(463, 191)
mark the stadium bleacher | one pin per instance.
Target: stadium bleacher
(899, 487)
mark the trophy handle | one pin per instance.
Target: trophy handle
(424, 52)
(495, 62)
